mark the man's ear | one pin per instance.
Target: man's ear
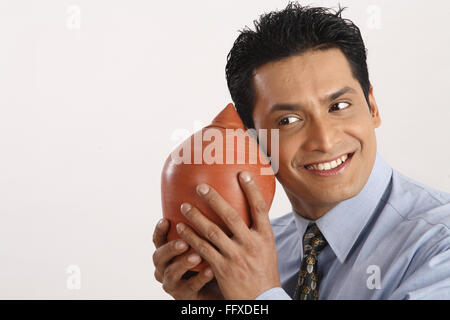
(374, 112)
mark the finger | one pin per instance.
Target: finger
(258, 206)
(174, 272)
(202, 247)
(160, 233)
(196, 283)
(225, 211)
(207, 229)
(165, 253)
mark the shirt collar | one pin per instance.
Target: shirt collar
(354, 212)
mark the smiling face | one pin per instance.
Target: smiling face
(322, 115)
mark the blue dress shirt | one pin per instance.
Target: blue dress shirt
(391, 241)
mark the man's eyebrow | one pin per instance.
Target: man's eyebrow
(338, 93)
(329, 97)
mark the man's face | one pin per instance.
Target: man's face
(322, 114)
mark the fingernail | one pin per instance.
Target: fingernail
(208, 272)
(160, 223)
(180, 227)
(202, 189)
(194, 258)
(245, 176)
(179, 245)
(185, 207)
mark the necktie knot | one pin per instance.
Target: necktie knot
(313, 240)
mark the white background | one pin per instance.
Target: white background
(93, 95)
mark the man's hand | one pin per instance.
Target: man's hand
(172, 263)
(246, 264)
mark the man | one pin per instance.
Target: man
(358, 229)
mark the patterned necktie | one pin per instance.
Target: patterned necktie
(308, 278)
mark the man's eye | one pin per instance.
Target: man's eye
(288, 120)
(340, 105)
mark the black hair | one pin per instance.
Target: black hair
(291, 31)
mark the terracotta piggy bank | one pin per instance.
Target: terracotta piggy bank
(214, 155)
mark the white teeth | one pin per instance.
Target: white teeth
(328, 165)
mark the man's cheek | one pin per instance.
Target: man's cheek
(287, 174)
(285, 158)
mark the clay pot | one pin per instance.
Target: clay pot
(205, 157)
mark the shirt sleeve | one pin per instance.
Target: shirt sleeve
(276, 293)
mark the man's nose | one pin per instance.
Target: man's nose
(322, 135)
